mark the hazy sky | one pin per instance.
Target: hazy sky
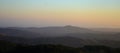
(39, 13)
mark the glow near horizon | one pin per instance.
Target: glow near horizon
(85, 13)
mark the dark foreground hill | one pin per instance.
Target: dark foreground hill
(65, 40)
(8, 47)
(56, 44)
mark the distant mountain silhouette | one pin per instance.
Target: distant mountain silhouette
(44, 31)
(59, 31)
(68, 30)
(17, 33)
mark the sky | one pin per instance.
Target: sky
(41, 13)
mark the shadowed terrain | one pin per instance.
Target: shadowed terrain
(67, 39)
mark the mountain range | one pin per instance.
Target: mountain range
(66, 35)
